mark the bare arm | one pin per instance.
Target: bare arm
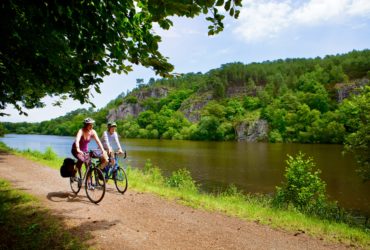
(95, 135)
(77, 140)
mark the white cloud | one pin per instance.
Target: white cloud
(360, 8)
(317, 11)
(261, 20)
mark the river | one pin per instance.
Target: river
(252, 167)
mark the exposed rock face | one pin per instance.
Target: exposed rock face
(125, 110)
(252, 131)
(344, 90)
(233, 91)
(191, 107)
(134, 109)
(151, 92)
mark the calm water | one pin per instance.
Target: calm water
(252, 167)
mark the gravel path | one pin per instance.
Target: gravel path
(144, 221)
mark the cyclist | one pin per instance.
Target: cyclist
(83, 138)
(111, 143)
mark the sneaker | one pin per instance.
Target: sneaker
(90, 187)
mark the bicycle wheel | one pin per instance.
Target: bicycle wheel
(120, 180)
(95, 185)
(76, 182)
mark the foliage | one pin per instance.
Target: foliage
(153, 173)
(66, 48)
(182, 179)
(303, 188)
(356, 111)
(250, 207)
(131, 99)
(2, 130)
(297, 97)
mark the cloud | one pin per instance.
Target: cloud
(260, 20)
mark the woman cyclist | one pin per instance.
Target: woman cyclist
(83, 138)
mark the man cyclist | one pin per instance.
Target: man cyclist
(111, 143)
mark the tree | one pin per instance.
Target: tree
(65, 48)
(357, 108)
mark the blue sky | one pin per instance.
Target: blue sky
(265, 30)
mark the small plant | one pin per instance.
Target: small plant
(153, 173)
(49, 154)
(232, 191)
(303, 187)
(182, 179)
(131, 99)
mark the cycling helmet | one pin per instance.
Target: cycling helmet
(112, 124)
(89, 121)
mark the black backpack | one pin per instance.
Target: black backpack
(67, 169)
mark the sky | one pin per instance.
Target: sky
(265, 30)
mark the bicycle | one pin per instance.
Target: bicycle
(93, 179)
(117, 173)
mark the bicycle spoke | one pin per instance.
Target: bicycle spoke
(120, 180)
(76, 182)
(95, 185)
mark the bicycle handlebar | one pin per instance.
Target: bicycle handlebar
(124, 154)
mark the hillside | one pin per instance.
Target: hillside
(291, 100)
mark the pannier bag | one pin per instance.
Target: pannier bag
(67, 169)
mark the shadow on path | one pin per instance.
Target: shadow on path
(66, 197)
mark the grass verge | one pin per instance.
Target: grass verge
(24, 224)
(232, 202)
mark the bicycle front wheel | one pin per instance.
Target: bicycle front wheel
(76, 181)
(95, 185)
(120, 180)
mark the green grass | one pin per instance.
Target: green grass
(232, 202)
(252, 208)
(24, 224)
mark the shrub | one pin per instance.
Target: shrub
(49, 154)
(131, 99)
(275, 136)
(232, 191)
(303, 187)
(182, 179)
(153, 173)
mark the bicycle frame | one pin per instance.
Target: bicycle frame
(92, 177)
(116, 164)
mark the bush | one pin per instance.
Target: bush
(131, 99)
(182, 179)
(275, 136)
(232, 191)
(49, 154)
(303, 187)
(153, 173)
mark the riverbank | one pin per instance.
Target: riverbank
(256, 210)
(252, 167)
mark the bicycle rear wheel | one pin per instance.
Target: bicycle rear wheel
(95, 185)
(120, 180)
(76, 182)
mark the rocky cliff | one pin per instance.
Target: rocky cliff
(344, 90)
(252, 131)
(134, 109)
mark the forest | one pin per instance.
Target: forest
(314, 100)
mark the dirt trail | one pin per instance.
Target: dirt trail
(144, 221)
